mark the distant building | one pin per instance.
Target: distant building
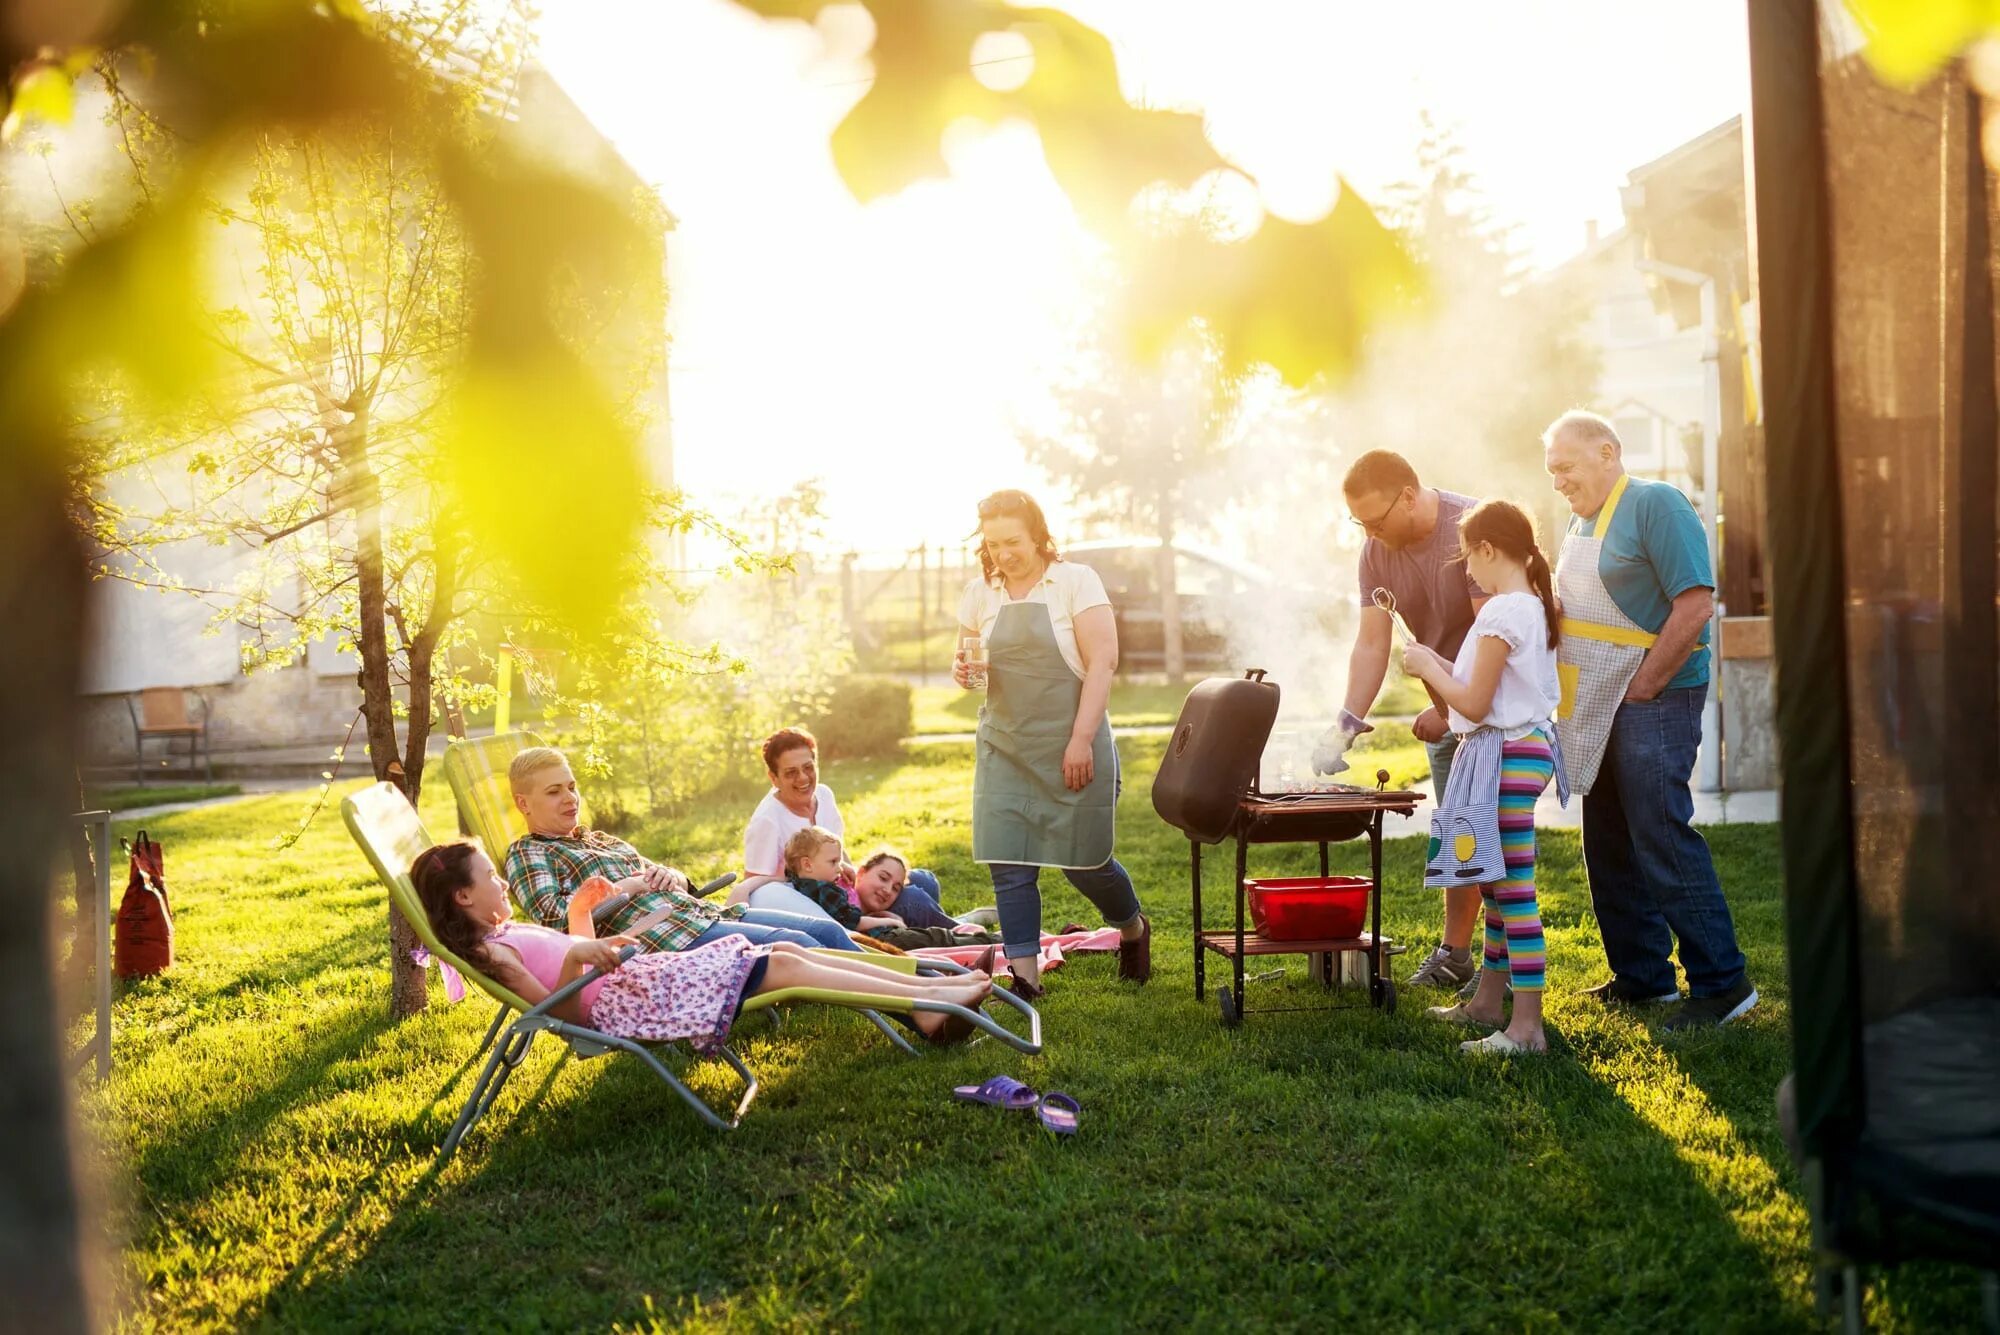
(1686, 227)
(1650, 381)
(145, 638)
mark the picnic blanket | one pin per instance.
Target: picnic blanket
(1053, 948)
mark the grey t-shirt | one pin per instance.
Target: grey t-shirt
(1433, 591)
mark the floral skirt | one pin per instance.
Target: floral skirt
(684, 994)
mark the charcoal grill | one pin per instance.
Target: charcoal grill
(1208, 789)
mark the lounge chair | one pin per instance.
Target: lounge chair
(476, 769)
(389, 832)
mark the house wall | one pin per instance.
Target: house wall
(297, 706)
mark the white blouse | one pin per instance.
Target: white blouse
(1068, 589)
(1528, 691)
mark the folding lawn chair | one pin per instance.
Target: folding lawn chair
(387, 828)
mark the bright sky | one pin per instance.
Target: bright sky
(885, 350)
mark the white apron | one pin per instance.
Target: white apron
(1601, 648)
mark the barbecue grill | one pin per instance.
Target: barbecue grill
(1207, 788)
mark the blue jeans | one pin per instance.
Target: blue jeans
(1441, 754)
(1652, 881)
(1017, 893)
(770, 926)
(920, 904)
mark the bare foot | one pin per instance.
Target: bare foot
(1534, 1040)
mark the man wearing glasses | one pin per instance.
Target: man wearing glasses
(1411, 551)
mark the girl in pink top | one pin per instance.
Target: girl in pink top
(689, 994)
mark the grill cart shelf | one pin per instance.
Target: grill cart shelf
(1298, 818)
(1206, 788)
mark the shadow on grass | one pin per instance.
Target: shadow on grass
(197, 1152)
(357, 947)
(363, 1198)
(1345, 1165)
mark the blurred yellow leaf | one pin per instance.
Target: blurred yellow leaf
(549, 476)
(1102, 149)
(132, 307)
(1299, 297)
(1910, 40)
(43, 93)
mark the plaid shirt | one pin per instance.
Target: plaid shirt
(832, 899)
(543, 871)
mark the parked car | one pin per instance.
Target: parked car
(1216, 594)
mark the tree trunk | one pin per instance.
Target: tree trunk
(1173, 648)
(42, 599)
(407, 993)
(423, 655)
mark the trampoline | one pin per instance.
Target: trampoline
(1875, 226)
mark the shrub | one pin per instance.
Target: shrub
(865, 716)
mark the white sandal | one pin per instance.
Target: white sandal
(1457, 1014)
(1497, 1044)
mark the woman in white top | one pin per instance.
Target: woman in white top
(1505, 680)
(1045, 773)
(798, 799)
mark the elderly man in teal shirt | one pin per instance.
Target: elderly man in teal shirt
(1637, 592)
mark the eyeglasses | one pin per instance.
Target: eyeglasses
(1373, 527)
(1000, 502)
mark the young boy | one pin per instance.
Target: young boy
(548, 865)
(812, 862)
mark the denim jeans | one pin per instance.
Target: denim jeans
(1017, 893)
(1441, 754)
(769, 926)
(921, 904)
(1652, 881)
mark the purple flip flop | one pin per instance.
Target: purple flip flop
(1058, 1112)
(1002, 1091)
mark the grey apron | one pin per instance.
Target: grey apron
(1021, 812)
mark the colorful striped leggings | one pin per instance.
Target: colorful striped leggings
(1515, 949)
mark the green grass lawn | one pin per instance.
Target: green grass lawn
(947, 709)
(266, 1138)
(127, 796)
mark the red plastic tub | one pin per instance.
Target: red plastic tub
(1303, 908)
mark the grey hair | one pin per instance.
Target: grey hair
(1586, 428)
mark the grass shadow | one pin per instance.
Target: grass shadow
(1309, 1165)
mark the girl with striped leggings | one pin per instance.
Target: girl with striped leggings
(1505, 680)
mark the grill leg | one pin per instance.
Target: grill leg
(1200, 963)
(1242, 871)
(1375, 898)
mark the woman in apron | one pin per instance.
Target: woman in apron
(1045, 775)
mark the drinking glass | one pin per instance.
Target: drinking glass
(972, 649)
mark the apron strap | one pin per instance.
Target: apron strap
(1603, 524)
(1591, 630)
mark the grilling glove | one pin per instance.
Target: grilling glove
(1330, 756)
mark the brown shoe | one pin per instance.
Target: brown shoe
(1135, 958)
(1024, 989)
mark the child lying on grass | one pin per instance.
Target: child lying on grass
(688, 994)
(812, 862)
